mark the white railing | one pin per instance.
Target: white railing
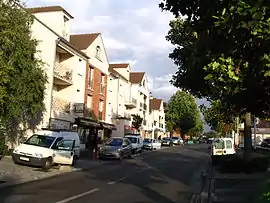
(60, 105)
(62, 72)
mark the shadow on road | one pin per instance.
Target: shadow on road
(165, 176)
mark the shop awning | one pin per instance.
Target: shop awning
(87, 122)
(108, 126)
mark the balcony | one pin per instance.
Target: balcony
(126, 116)
(62, 74)
(60, 105)
(130, 104)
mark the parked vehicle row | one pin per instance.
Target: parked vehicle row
(48, 147)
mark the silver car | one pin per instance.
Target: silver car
(116, 148)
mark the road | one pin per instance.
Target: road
(166, 176)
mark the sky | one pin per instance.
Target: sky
(133, 32)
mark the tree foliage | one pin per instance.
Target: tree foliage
(182, 113)
(137, 121)
(22, 82)
(217, 117)
(223, 53)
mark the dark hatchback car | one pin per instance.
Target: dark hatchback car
(116, 148)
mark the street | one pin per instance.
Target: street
(166, 176)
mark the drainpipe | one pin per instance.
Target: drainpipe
(117, 101)
(56, 42)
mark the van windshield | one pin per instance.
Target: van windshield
(40, 140)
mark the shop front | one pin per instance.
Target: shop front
(89, 132)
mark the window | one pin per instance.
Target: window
(98, 52)
(90, 77)
(102, 83)
(101, 105)
(229, 144)
(89, 102)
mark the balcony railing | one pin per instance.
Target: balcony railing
(62, 72)
(60, 105)
(161, 125)
(100, 115)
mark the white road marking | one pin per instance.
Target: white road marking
(78, 196)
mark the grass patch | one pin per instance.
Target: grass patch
(236, 164)
(265, 197)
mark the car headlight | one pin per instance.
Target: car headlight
(118, 150)
(38, 155)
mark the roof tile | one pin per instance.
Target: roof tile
(83, 41)
(155, 104)
(45, 9)
(136, 77)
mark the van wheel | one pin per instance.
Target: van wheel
(47, 164)
(75, 160)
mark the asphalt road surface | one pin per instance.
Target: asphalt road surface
(167, 176)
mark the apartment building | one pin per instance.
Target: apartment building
(96, 77)
(157, 117)
(121, 102)
(140, 91)
(64, 65)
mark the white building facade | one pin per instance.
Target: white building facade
(64, 65)
(120, 101)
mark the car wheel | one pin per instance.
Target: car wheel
(47, 165)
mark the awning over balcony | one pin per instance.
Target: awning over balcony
(108, 126)
(87, 122)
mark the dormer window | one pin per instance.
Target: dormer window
(144, 83)
(98, 52)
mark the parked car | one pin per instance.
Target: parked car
(136, 142)
(176, 140)
(167, 141)
(221, 147)
(266, 143)
(115, 148)
(48, 147)
(151, 144)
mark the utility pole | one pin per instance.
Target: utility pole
(255, 130)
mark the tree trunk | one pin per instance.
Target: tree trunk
(247, 136)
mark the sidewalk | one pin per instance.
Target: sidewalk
(237, 188)
(12, 174)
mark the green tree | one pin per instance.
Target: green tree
(182, 113)
(217, 117)
(222, 50)
(22, 82)
(137, 121)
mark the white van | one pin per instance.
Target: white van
(222, 147)
(136, 142)
(48, 147)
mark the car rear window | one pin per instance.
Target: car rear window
(219, 144)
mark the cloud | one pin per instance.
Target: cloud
(133, 31)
